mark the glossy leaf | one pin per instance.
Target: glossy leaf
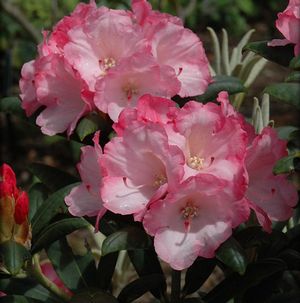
(279, 54)
(37, 195)
(77, 272)
(220, 83)
(286, 164)
(88, 126)
(93, 296)
(17, 286)
(295, 63)
(52, 177)
(12, 105)
(233, 255)
(57, 230)
(139, 287)
(53, 205)
(18, 299)
(287, 92)
(197, 274)
(13, 256)
(128, 238)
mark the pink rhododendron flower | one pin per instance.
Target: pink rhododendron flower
(288, 23)
(133, 78)
(192, 221)
(141, 167)
(85, 199)
(272, 197)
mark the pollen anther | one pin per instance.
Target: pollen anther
(195, 162)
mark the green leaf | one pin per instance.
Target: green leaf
(279, 54)
(12, 105)
(18, 299)
(77, 272)
(13, 256)
(37, 195)
(293, 77)
(287, 92)
(139, 287)
(286, 164)
(93, 296)
(197, 274)
(52, 177)
(55, 231)
(290, 297)
(145, 263)
(295, 63)
(49, 209)
(28, 286)
(284, 132)
(220, 83)
(88, 126)
(233, 255)
(128, 238)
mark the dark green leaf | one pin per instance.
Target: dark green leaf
(77, 272)
(12, 105)
(52, 177)
(49, 209)
(93, 296)
(13, 255)
(220, 83)
(279, 54)
(105, 271)
(293, 77)
(139, 287)
(287, 92)
(286, 164)
(128, 238)
(284, 132)
(57, 230)
(197, 274)
(295, 63)
(146, 263)
(292, 258)
(291, 297)
(37, 195)
(88, 126)
(18, 299)
(16, 286)
(233, 255)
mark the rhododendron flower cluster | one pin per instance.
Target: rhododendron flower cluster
(105, 59)
(288, 23)
(189, 174)
(14, 207)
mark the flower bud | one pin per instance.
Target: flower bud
(14, 207)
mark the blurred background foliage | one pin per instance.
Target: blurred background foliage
(21, 24)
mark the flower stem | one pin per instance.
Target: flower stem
(175, 286)
(36, 271)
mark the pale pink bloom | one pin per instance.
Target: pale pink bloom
(134, 77)
(28, 88)
(272, 197)
(140, 167)
(100, 44)
(64, 94)
(288, 23)
(212, 143)
(85, 199)
(193, 220)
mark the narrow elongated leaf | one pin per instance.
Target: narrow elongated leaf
(287, 92)
(139, 287)
(128, 238)
(279, 54)
(197, 274)
(12, 105)
(77, 272)
(57, 230)
(37, 195)
(233, 255)
(52, 177)
(30, 287)
(88, 126)
(18, 299)
(93, 296)
(13, 256)
(220, 83)
(49, 209)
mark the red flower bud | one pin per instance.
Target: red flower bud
(21, 208)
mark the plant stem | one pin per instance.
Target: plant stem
(36, 271)
(175, 286)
